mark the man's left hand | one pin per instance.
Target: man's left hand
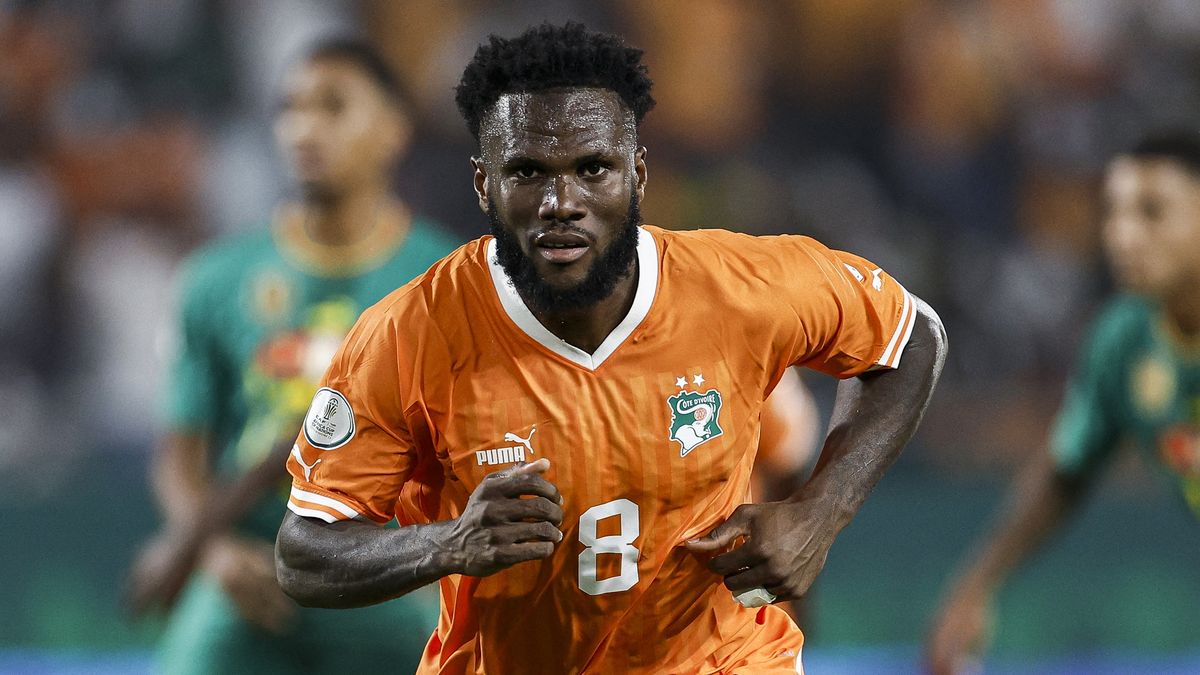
(779, 546)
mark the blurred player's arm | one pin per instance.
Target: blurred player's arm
(1083, 441)
(1041, 500)
(199, 513)
(180, 476)
(874, 416)
(197, 508)
(512, 516)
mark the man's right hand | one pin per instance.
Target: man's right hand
(246, 571)
(960, 633)
(512, 516)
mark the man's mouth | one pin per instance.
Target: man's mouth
(309, 162)
(561, 247)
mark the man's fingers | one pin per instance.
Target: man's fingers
(526, 532)
(260, 601)
(541, 465)
(542, 531)
(740, 558)
(723, 535)
(538, 508)
(151, 581)
(956, 640)
(758, 577)
(520, 480)
(511, 554)
(520, 485)
(280, 611)
(268, 612)
(947, 659)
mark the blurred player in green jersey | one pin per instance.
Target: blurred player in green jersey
(261, 315)
(1137, 380)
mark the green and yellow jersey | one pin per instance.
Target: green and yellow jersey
(261, 315)
(1137, 380)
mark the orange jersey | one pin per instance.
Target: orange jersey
(651, 440)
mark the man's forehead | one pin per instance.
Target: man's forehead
(1128, 174)
(577, 116)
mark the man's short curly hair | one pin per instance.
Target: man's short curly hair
(550, 57)
(1180, 145)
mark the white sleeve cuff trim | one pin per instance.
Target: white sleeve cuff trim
(310, 513)
(908, 315)
(314, 498)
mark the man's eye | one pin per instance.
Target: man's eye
(526, 172)
(593, 169)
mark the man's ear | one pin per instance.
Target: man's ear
(481, 183)
(639, 170)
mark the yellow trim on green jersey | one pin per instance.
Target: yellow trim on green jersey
(387, 234)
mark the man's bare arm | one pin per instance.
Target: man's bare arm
(352, 564)
(181, 478)
(874, 416)
(1041, 501)
(203, 512)
(512, 516)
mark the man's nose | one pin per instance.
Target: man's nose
(301, 127)
(1121, 235)
(561, 201)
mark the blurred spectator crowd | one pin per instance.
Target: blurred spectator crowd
(958, 144)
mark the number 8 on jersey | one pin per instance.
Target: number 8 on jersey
(620, 543)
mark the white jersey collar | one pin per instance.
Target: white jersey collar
(514, 307)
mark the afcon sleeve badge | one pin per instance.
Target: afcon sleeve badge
(329, 423)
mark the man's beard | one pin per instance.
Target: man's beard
(607, 271)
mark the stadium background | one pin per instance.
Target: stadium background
(958, 144)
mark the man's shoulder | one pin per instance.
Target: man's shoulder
(1122, 328)
(1122, 320)
(425, 244)
(223, 261)
(728, 243)
(428, 235)
(725, 257)
(450, 283)
(690, 240)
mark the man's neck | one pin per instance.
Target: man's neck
(1183, 311)
(587, 328)
(346, 219)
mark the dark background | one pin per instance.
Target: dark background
(957, 144)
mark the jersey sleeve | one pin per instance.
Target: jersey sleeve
(354, 452)
(1087, 429)
(847, 315)
(194, 378)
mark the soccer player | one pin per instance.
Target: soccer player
(262, 315)
(564, 415)
(1137, 379)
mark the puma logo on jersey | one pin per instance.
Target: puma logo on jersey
(509, 454)
(527, 441)
(307, 467)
